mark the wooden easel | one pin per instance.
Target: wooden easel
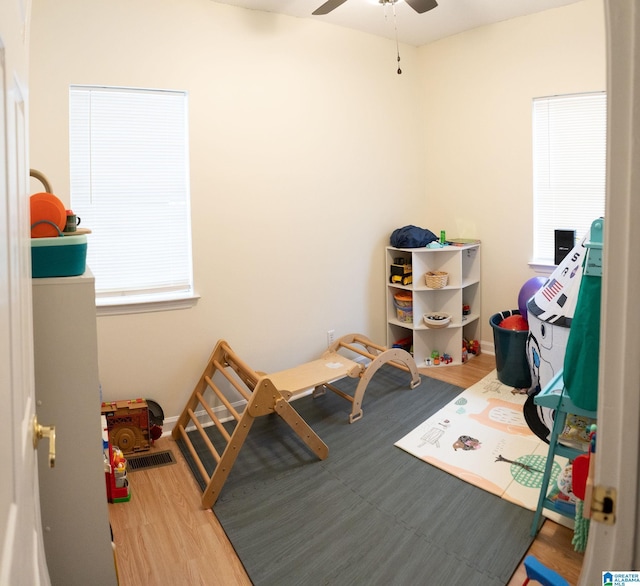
(266, 394)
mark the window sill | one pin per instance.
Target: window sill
(112, 306)
(542, 267)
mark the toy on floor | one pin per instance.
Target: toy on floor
(550, 313)
(115, 468)
(539, 572)
(128, 424)
(156, 420)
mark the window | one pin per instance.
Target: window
(129, 171)
(569, 167)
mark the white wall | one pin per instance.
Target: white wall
(477, 89)
(307, 150)
(305, 155)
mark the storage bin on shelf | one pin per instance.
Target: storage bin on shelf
(62, 256)
(437, 319)
(403, 302)
(436, 279)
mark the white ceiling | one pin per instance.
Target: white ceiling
(448, 18)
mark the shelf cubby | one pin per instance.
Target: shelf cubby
(462, 263)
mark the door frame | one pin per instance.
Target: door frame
(22, 557)
(615, 547)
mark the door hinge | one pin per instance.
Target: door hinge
(603, 504)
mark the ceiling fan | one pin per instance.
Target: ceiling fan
(419, 6)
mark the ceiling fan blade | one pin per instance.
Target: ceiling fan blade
(328, 7)
(421, 6)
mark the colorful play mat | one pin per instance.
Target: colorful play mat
(482, 438)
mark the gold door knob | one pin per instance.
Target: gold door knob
(49, 431)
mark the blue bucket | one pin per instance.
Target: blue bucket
(510, 347)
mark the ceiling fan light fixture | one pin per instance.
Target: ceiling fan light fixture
(419, 6)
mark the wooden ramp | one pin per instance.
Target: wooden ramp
(378, 357)
(266, 394)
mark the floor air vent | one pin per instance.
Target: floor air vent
(146, 461)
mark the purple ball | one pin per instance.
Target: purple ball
(528, 290)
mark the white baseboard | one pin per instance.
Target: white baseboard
(222, 413)
(488, 347)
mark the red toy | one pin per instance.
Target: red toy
(473, 347)
(116, 476)
(514, 322)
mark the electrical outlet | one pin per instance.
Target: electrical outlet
(331, 337)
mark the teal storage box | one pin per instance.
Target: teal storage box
(64, 256)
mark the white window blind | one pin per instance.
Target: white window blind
(569, 167)
(130, 186)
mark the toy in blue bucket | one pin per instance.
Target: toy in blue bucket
(510, 347)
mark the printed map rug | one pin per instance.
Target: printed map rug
(481, 437)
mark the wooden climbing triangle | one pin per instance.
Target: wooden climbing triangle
(271, 393)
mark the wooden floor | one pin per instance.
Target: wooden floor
(164, 537)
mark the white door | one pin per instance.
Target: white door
(22, 560)
(615, 547)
